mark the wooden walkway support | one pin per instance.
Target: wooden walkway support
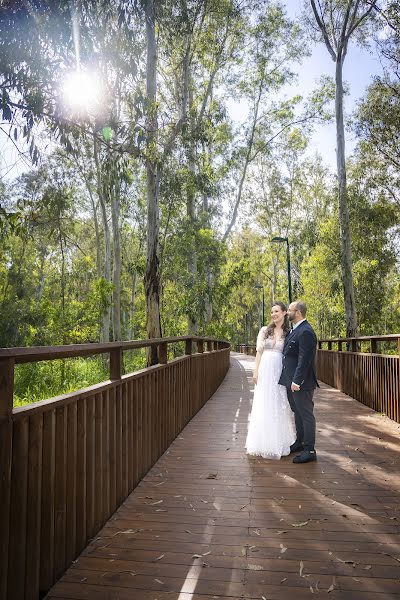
(209, 522)
(68, 463)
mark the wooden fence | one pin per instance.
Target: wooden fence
(372, 378)
(67, 463)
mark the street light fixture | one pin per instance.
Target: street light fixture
(261, 287)
(285, 239)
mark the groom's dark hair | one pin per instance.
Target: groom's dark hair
(301, 307)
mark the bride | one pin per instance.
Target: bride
(271, 425)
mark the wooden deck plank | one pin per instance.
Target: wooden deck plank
(207, 521)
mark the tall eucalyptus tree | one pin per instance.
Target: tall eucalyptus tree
(337, 21)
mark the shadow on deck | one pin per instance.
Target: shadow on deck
(209, 522)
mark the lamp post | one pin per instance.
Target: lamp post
(285, 239)
(261, 287)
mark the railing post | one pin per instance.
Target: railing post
(115, 364)
(209, 346)
(354, 345)
(200, 346)
(6, 406)
(188, 347)
(6, 387)
(163, 353)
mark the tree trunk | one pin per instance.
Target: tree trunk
(116, 305)
(106, 317)
(152, 275)
(193, 326)
(345, 233)
(131, 311)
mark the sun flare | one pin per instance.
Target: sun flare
(82, 91)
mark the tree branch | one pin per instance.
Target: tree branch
(324, 32)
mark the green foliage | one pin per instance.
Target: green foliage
(57, 222)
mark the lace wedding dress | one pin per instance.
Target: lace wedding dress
(271, 425)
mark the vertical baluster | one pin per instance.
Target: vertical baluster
(6, 430)
(34, 507)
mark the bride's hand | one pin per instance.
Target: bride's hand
(255, 377)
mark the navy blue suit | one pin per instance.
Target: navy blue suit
(298, 367)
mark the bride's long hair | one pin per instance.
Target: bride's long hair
(285, 326)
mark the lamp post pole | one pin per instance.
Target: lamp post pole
(285, 239)
(261, 287)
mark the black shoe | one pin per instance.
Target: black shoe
(296, 447)
(305, 456)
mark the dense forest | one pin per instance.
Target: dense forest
(148, 206)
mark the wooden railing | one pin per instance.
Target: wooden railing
(67, 463)
(246, 349)
(370, 377)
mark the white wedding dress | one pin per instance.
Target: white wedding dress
(271, 425)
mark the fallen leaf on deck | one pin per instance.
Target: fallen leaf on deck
(301, 524)
(311, 589)
(158, 502)
(244, 550)
(355, 579)
(391, 555)
(256, 531)
(207, 553)
(255, 568)
(332, 586)
(188, 531)
(196, 556)
(244, 506)
(212, 476)
(161, 510)
(367, 567)
(283, 548)
(159, 581)
(301, 568)
(160, 557)
(205, 564)
(283, 531)
(205, 501)
(126, 531)
(284, 579)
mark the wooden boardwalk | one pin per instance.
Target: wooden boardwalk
(209, 522)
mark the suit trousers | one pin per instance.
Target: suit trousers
(302, 405)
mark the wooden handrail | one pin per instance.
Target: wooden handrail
(353, 344)
(364, 338)
(38, 353)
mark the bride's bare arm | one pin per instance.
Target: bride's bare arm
(255, 373)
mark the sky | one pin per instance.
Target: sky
(359, 68)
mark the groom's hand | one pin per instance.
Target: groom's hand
(294, 387)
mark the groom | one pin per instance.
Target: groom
(298, 376)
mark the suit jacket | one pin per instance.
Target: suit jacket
(298, 358)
